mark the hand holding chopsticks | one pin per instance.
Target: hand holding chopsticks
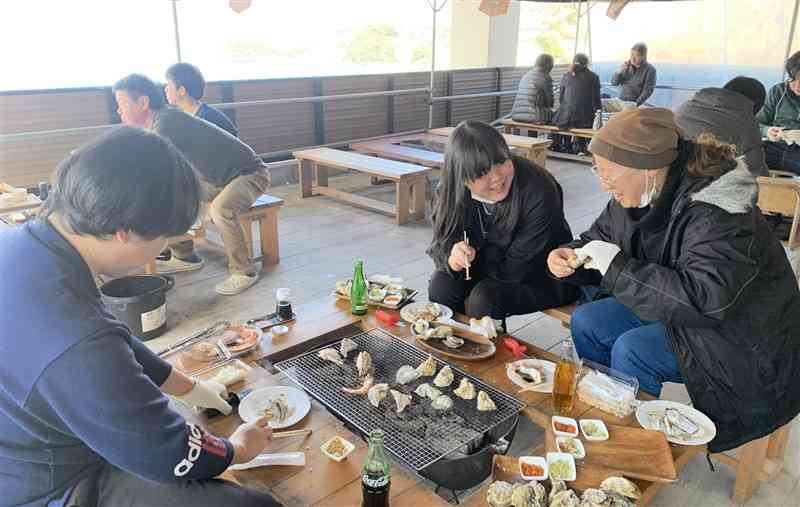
(466, 258)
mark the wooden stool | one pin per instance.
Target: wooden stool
(265, 212)
(191, 235)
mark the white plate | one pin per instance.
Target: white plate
(549, 374)
(408, 311)
(707, 428)
(558, 456)
(252, 406)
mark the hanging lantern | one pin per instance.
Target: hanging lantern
(239, 5)
(494, 7)
(615, 8)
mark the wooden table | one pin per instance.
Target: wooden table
(340, 483)
(534, 149)
(31, 201)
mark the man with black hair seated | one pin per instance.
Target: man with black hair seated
(184, 89)
(232, 176)
(779, 120)
(84, 420)
(729, 114)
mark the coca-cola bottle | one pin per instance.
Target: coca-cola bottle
(375, 478)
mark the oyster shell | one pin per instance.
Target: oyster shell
(442, 403)
(427, 391)
(614, 499)
(331, 355)
(427, 368)
(532, 494)
(622, 486)
(347, 346)
(377, 393)
(453, 342)
(499, 494)
(401, 400)
(363, 363)
(406, 374)
(485, 404)
(442, 332)
(444, 378)
(557, 487)
(593, 498)
(420, 327)
(566, 498)
(465, 390)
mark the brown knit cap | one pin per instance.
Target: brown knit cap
(640, 138)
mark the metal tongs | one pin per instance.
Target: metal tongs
(215, 329)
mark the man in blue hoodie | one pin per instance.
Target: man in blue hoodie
(84, 419)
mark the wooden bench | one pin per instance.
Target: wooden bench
(509, 126)
(410, 180)
(562, 313)
(535, 148)
(780, 193)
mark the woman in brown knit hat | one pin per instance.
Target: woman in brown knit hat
(700, 291)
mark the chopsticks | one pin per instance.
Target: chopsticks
(466, 259)
(215, 328)
(293, 433)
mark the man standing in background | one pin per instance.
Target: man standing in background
(636, 77)
(185, 87)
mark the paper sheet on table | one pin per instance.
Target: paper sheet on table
(281, 458)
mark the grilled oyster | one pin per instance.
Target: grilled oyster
(593, 498)
(622, 486)
(485, 404)
(465, 390)
(499, 494)
(566, 498)
(420, 327)
(427, 368)
(427, 391)
(401, 400)
(406, 374)
(363, 363)
(614, 499)
(557, 487)
(347, 346)
(531, 494)
(331, 355)
(444, 378)
(453, 342)
(377, 393)
(442, 332)
(442, 403)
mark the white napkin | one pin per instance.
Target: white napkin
(281, 458)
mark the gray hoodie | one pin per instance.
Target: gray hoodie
(636, 83)
(729, 116)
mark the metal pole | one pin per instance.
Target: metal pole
(589, 32)
(791, 32)
(177, 32)
(577, 29)
(433, 67)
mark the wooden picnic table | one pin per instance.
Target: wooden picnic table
(324, 482)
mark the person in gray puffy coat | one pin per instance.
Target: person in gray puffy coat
(534, 100)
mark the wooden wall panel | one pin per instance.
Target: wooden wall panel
(48, 111)
(411, 111)
(357, 118)
(474, 81)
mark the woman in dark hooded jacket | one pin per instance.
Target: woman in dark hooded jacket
(512, 213)
(701, 291)
(534, 100)
(579, 100)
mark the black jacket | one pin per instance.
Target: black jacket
(579, 99)
(636, 83)
(538, 227)
(729, 116)
(724, 289)
(534, 100)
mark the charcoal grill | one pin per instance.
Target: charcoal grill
(420, 436)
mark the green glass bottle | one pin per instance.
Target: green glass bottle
(376, 475)
(358, 291)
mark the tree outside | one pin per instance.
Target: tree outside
(373, 44)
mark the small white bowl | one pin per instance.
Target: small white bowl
(348, 448)
(600, 424)
(564, 420)
(581, 450)
(552, 457)
(533, 460)
(280, 330)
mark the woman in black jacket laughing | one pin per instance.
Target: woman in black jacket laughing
(512, 213)
(701, 291)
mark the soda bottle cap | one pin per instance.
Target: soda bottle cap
(283, 294)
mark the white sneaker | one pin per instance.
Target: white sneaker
(235, 284)
(175, 265)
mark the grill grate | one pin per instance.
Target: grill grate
(420, 435)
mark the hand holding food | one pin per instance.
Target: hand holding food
(599, 254)
(250, 439)
(774, 133)
(461, 255)
(208, 394)
(561, 262)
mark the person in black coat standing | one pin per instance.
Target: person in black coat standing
(579, 100)
(512, 213)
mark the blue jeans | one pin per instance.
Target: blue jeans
(608, 333)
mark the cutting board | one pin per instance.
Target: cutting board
(632, 452)
(470, 351)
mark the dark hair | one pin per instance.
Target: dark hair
(473, 148)
(138, 85)
(750, 88)
(641, 48)
(188, 76)
(710, 158)
(793, 65)
(126, 180)
(579, 62)
(544, 62)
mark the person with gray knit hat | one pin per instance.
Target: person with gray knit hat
(635, 77)
(697, 289)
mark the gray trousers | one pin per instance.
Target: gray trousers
(113, 487)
